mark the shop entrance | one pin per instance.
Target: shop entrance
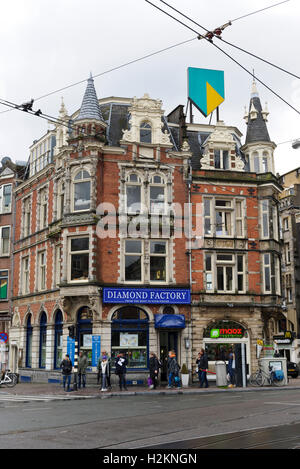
(168, 341)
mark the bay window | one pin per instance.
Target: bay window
(271, 274)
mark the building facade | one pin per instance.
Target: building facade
(145, 233)
(288, 330)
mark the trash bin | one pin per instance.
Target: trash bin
(221, 374)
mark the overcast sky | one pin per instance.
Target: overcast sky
(49, 44)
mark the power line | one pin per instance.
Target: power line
(258, 11)
(220, 49)
(233, 45)
(114, 69)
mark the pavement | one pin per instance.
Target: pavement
(50, 391)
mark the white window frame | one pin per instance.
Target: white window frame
(25, 275)
(43, 209)
(70, 239)
(42, 273)
(27, 217)
(6, 277)
(138, 183)
(146, 250)
(3, 209)
(223, 263)
(162, 184)
(2, 253)
(80, 181)
(222, 150)
(210, 208)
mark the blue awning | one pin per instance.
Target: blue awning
(170, 321)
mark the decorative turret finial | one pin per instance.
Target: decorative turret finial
(265, 113)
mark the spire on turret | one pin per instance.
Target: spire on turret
(90, 108)
(256, 123)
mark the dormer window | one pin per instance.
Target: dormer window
(221, 158)
(145, 133)
(82, 191)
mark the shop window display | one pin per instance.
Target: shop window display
(130, 331)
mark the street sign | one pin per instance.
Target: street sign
(206, 89)
(3, 337)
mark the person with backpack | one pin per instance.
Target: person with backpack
(66, 367)
(120, 366)
(154, 366)
(173, 371)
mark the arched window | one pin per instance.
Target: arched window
(157, 194)
(84, 331)
(58, 339)
(28, 359)
(43, 340)
(82, 191)
(130, 335)
(145, 133)
(133, 193)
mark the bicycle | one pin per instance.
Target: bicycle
(9, 379)
(261, 378)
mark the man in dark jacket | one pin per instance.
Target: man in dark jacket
(66, 367)
(82, 366)
(202, 363)
(120, 365)
(154, 367)
(173, 370)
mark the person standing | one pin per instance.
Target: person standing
(202, 363)
(120, 365)
(82, 366)
(99, 375)
(231, 368)
(105, 372)
(66, 367)
(154, 369)
(173, 370)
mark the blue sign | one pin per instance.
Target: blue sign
(71, 349)
(146, 296)
(96, 347)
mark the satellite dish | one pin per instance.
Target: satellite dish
(5, 160)
(296, 144)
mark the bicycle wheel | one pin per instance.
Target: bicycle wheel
(256, 379)
(13, 380)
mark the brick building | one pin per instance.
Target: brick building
(104, 237)
(10, 175)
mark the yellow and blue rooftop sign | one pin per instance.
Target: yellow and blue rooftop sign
(206, 89)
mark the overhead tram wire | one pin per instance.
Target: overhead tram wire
(234, 45)
(258, 11)
(114, 69)
(200, 36)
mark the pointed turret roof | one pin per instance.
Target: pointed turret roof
(257, 130)
(90, 108)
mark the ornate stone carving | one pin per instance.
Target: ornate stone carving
(147, 110)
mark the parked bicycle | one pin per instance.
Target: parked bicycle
(261, 378)
(9, 379)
